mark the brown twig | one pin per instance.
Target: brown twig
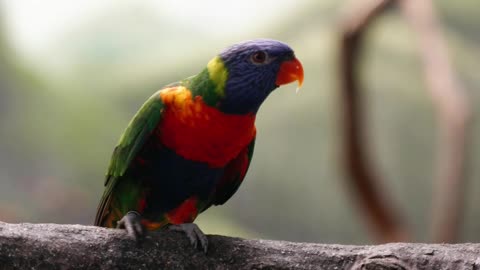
(383, 216)
(453, 120)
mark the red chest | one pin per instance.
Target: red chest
(199, 132)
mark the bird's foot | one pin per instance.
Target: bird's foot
(193, 233)
(132, 223)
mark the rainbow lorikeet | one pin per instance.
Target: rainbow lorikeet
(190, 145)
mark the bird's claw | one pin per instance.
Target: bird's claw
(132, 223)
(194, 234)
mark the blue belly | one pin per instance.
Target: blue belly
(168, 179)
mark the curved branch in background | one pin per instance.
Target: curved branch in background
(454, 116)
(382, 216)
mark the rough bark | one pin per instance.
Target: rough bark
(52, 246)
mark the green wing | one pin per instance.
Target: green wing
(138, 131)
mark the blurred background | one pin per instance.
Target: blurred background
(72, 74)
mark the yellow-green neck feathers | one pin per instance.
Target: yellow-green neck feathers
(218, 75)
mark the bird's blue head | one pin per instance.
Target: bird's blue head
(246, 73)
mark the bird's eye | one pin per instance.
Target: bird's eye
(259, 57)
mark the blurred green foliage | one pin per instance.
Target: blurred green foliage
(63, 111)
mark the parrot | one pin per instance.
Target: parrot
(190, 144)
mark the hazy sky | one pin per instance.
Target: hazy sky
(31, 24)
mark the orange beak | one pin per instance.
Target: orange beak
(290, 71)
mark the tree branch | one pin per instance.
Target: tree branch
(383, 216)
(454, 116)
(52, 246)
